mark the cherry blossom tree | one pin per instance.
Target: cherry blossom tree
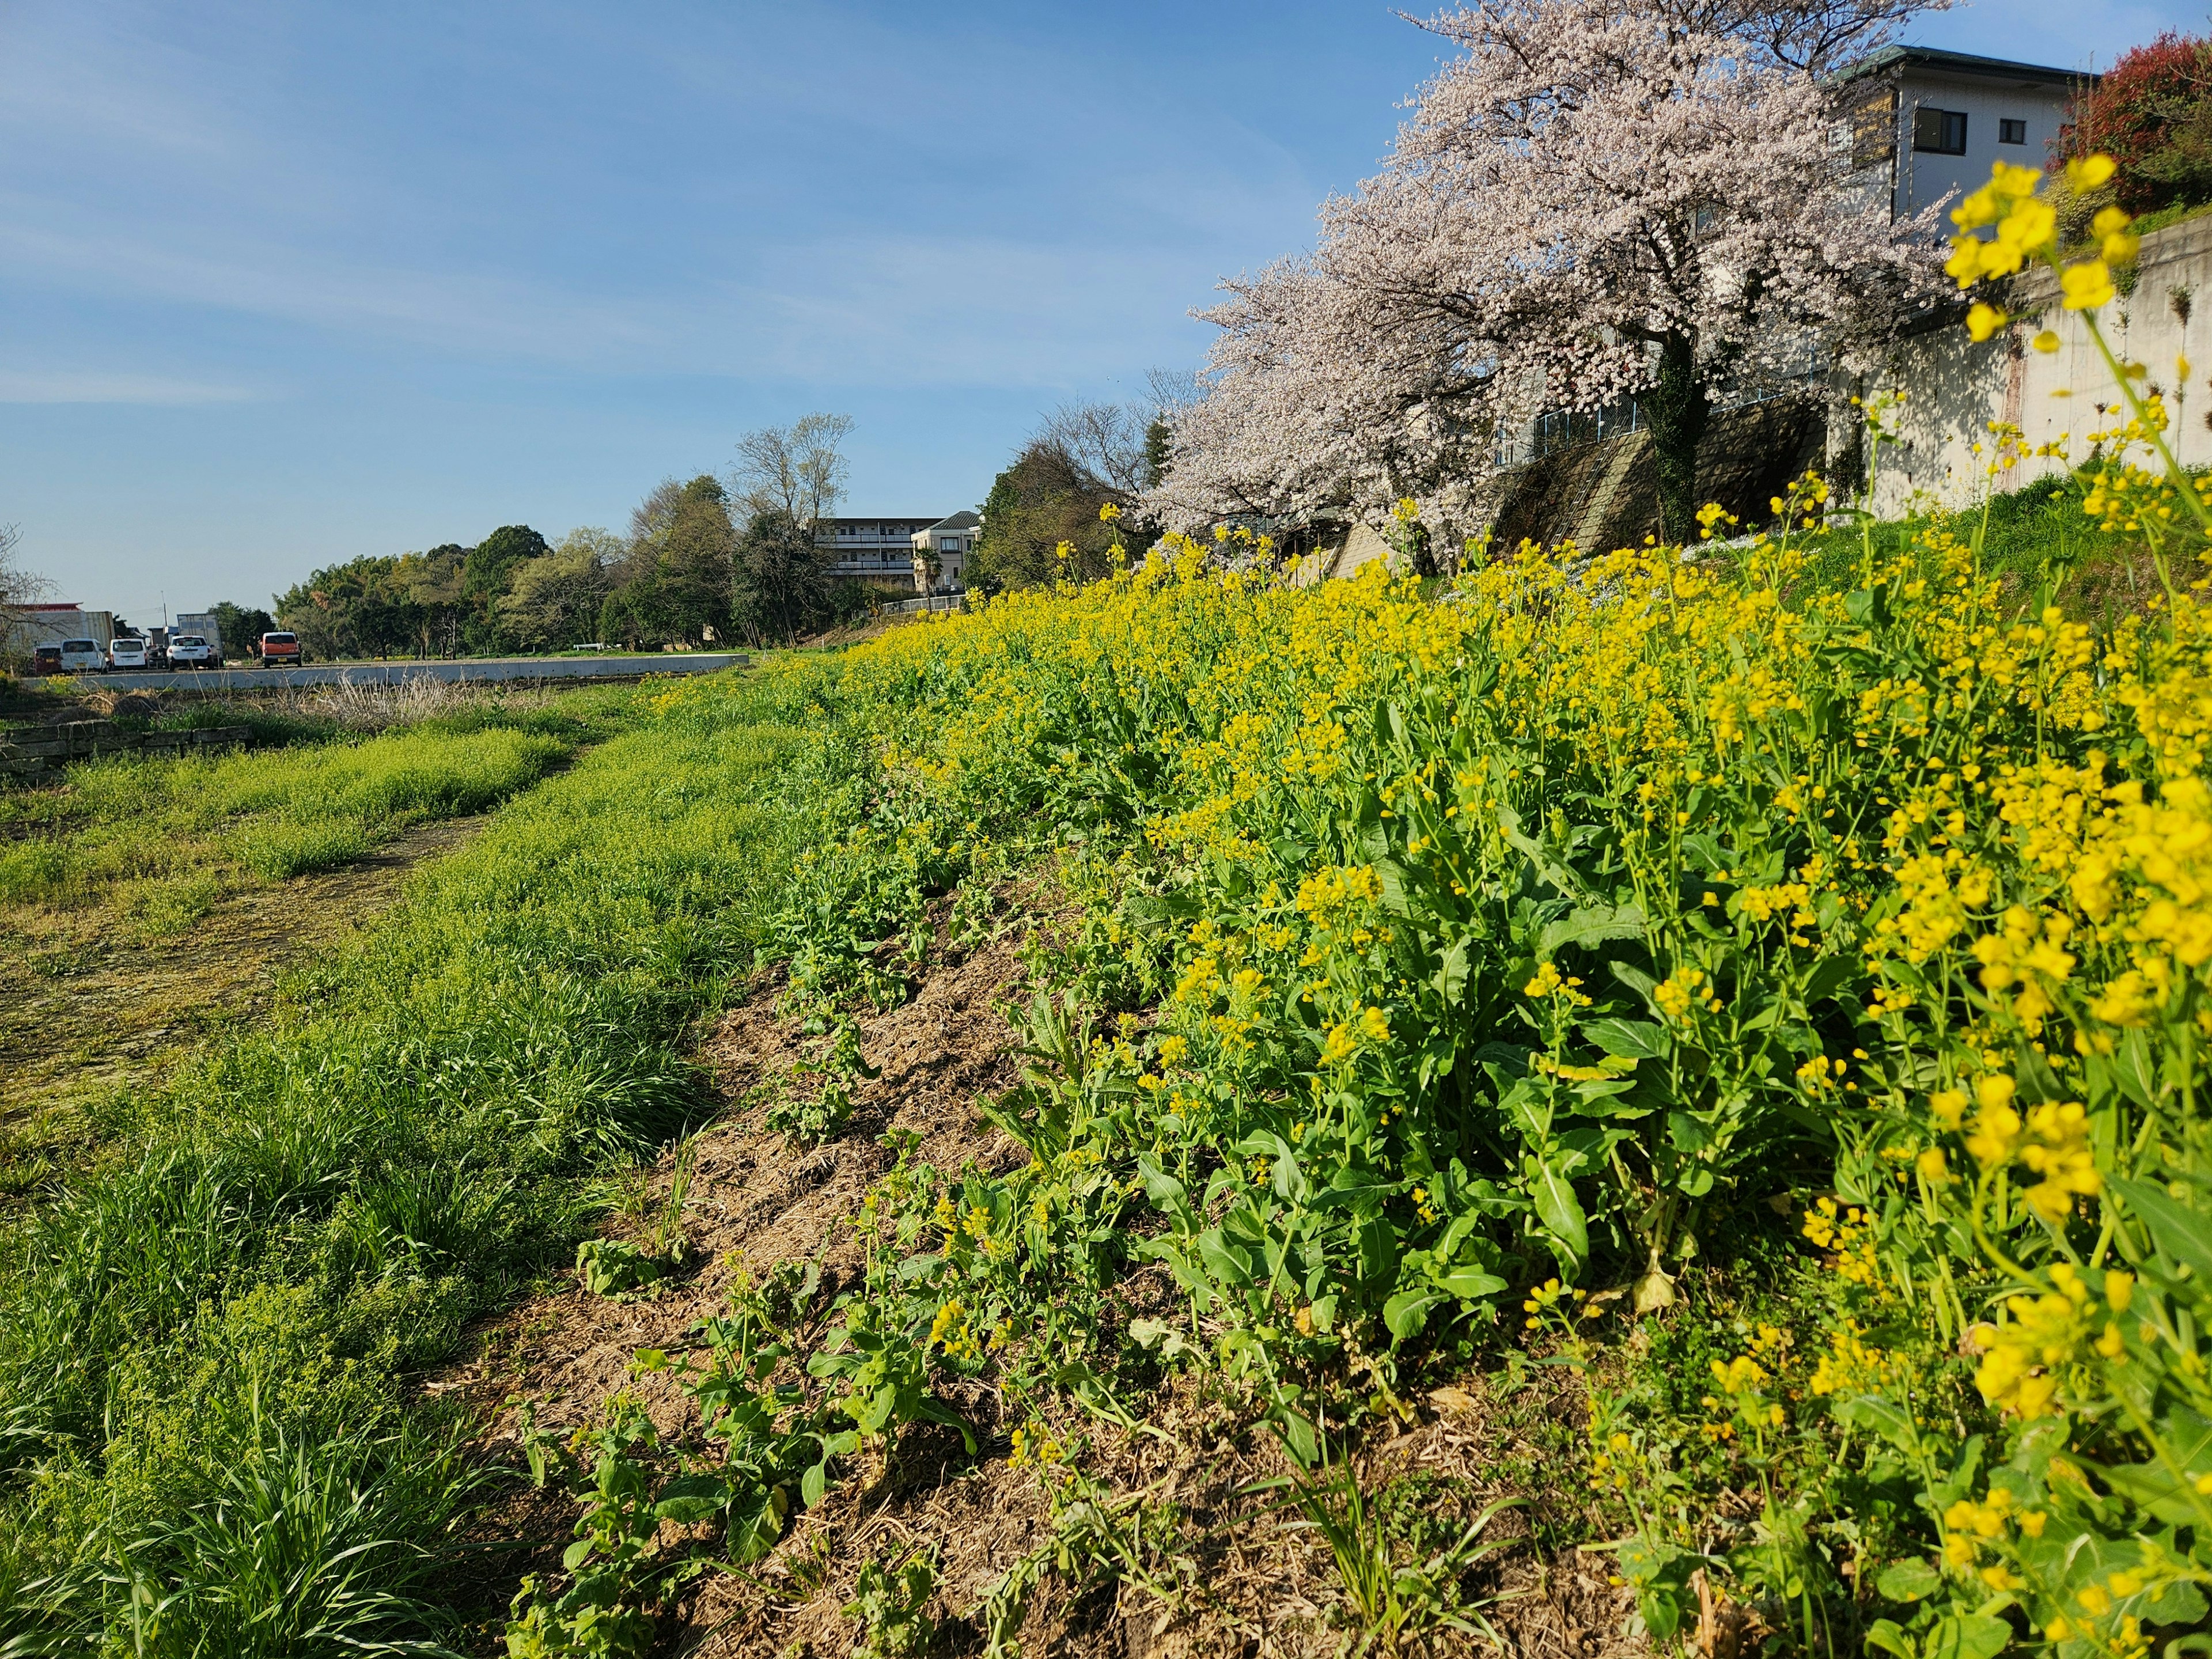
(1592, 200)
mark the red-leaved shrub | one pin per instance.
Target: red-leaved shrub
(2153, 114)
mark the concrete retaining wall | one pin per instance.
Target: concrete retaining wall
(38, 748)
(1954, 388)
(489, 670)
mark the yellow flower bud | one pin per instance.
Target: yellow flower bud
(1984, 320)
(2046, 342)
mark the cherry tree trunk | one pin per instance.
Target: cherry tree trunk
(1678, 409)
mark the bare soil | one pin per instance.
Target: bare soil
(1234, 1576)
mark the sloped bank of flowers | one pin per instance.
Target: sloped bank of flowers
(1533, 938)
(1443, 960)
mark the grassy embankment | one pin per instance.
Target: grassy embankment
(148, 897)
(1777, 1000)
(202, 1345)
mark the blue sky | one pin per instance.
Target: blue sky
(284, 283)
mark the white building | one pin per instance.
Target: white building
(877, 552)
(1924, 125)
(940, 550)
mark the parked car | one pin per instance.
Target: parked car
(46, 659)
(282, 649)
(82, 657)
(191, 651)
(126, 654)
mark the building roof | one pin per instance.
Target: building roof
(963, 520)
(1968, 63)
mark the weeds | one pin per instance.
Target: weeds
(1390, 1607)
(323, 1201)
(890, 1608)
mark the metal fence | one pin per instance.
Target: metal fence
(934, 601)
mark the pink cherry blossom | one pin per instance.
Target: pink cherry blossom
(1592, 200)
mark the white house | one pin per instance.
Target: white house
(940, 553)
(1923, 124)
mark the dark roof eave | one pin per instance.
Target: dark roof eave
(1966, 63)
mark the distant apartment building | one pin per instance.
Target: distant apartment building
(877, 552)
(940, 550)
(1924, 125)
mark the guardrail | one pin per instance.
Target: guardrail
(934, 601)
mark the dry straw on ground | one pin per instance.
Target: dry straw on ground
(1245, 1578)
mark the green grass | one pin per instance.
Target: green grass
(157, 838)
(2036, 539)
(314, 1213)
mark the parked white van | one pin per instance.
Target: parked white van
(126, 653)
(82, 657)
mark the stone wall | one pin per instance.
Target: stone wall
(1604, 496)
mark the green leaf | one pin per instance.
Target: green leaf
(2151, 1486)
(1451, 974)
(1886, 1634)
(1469, 1283)
(1967, 1636)
(691, 1497)
(1391, 876)
(1663, 1613)
(1891, 1422)
(1869, 607)
(1633, 1039)
(1829, 975)
(1227, 1264)
(1166, 1193)
(1908, 1581)
(933, 1410)
(1589, 927)
(1561, 1211)
(1406, 1312)
(2183, 1234)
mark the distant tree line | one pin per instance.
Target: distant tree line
(707, 560)
(1041, 520)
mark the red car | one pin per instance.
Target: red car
(282, 649)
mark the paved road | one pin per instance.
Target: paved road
(472, 671)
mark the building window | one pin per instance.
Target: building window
(2012, 132)
(1939, 131)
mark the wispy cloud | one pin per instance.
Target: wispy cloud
(94, 387)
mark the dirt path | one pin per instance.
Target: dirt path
(87, 1011)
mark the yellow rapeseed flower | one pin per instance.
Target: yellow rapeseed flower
(2088, 285)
